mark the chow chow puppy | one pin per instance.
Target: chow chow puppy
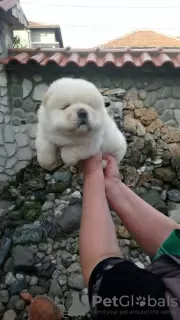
(74, 120)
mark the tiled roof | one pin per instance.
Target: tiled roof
(7, 4)
(99, 57)
(143, 39)
(41, 25)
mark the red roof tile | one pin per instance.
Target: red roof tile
(99, 57)
(143, 39)
(7, 4)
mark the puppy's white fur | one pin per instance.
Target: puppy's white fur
(59, 126)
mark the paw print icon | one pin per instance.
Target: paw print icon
(141, 301)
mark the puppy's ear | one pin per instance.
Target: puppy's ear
(46, 98)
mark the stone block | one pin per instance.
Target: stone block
(39, 92)
(21, 139)
(24, 153)
(27, 87)
(8, 134)
(10, 149)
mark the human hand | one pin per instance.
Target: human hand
(111, 172)
(91, 165)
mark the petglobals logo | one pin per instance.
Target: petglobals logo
(133, 301)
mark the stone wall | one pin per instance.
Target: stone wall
(154, 94)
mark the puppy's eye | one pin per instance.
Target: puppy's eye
(65, 107)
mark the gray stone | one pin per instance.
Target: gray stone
(176, 92)
(9, 279)
(170, 123)
(16, 121)
(10, 163)
(3, 152)
(31, 118)
(29, 105)
(21, 139)
(55, 289)
(174, 195)
(175, 215)
(142, 94)
(32, 131)
(77, 308)
(156, 84)
(8, 134)
(24, 154)
(63, 176)
(3, 79)
(76, 195)
(20, 305)
(33, 281)
(4, 296)
(164, 93)
(22, 258)
(12, 302)
(9, 315)
(3, 92)
(4, 101)
(19, 113)
(3, 109)
(1, 138)
(20, 165)
(154, 199)
(2, 161)
(70, 220)
(15, 78)
(18, 286)
(167, 115)
(10, 149)
(47, 206)
(75, 267)
(36, 290)
(117, 91)
(75, 281)
(1, 118)
(30, 233)
(16, 90)
(151, 98)
(7, 119)
(5, 245)
(164, 104)
(17, 102)
(37, 78)
(27, 87)
(33, 145)
(62, 279)
(177, 116)
(39, 92)
(10, 172)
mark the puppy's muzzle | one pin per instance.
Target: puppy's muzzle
(82, 116)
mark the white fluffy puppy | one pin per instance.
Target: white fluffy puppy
(74, 119)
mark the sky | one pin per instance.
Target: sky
(89, 23)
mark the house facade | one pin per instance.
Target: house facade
(40, 35)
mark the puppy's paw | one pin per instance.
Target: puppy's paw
(69, 156)
(47, 162)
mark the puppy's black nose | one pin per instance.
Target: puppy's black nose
(82, 114)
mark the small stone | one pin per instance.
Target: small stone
(21, 139)
(12, 302)
(19, 276)
(48, 177)
(76, 195)
(55, 289)
(75, 281)
(37, 78)
(119, 92)
(174, 195)
(30, 233)
(156, 161)
(39, 92)
(24, 153)
(8, 134)
(9, 315)
(154, 199)
(10, 148)
(5, 244)
(27, 87)
(164, 174)
(3, 79)
(122, 232)
(4, 296)
(43, 247)
(10, 163)
(36, 290)
(31, 118)
(18, 286)
(140, 265)
(20, 305)
(33, 281)
(70, 220)
(47, 206)
(142, 94)
(75, 267)
(32, 132)
(62, 279)
(9, 279)
(19, 113)
(16, 121)
(64, 176)
(22, 258)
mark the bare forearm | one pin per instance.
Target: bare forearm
(97, 232)
(148, 227)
